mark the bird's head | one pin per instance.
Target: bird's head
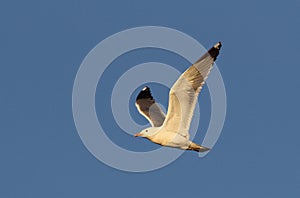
(147, 132)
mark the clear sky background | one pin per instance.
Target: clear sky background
(42, 44)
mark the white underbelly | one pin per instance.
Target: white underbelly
(171, 139)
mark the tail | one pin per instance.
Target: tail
(195, 147)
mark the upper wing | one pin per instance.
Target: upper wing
(149, 109)
(184, 93)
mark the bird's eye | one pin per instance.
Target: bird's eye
(146, 130)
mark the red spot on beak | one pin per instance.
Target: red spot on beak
(137, 135)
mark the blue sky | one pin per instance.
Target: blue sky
(42, 46)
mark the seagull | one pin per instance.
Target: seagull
(172, 130)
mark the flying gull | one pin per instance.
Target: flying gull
(172, 130)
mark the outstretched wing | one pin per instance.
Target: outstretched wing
(149, 109)
(184, 93)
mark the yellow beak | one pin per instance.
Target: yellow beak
(137, 135)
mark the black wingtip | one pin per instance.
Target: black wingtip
(145, 93)
(214, 51)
